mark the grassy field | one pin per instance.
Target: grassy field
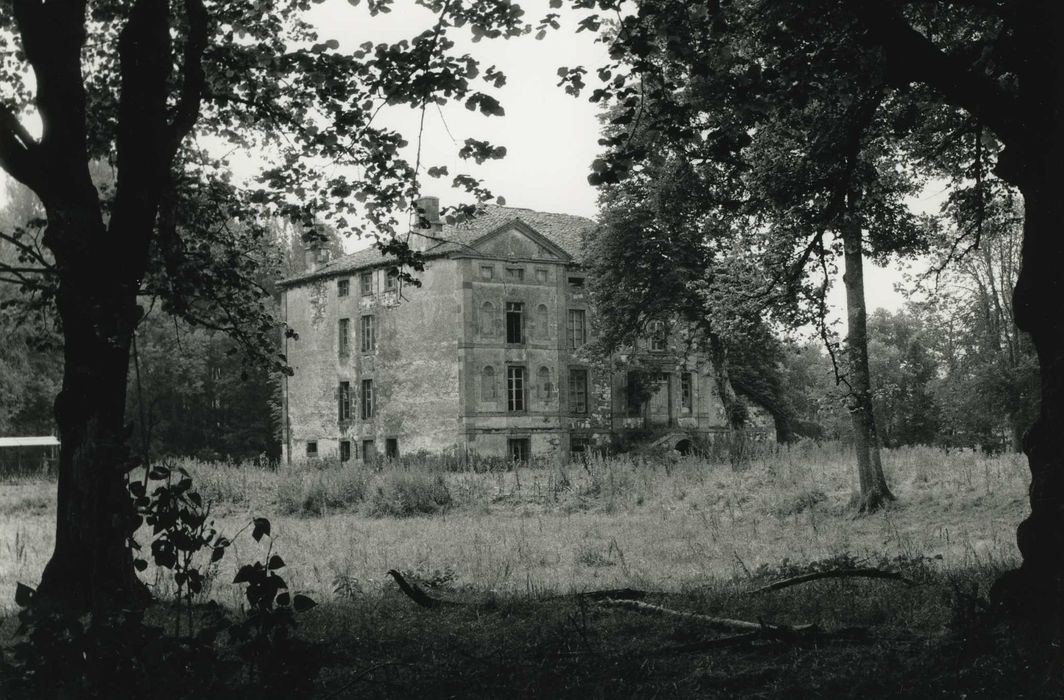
(621, 522)
(694, 533)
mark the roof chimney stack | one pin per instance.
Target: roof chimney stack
(428, 223)
(315, 250)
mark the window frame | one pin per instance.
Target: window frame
(391, 282)
(343, 287)
(576, 281)
(570, 326)
(343, 343)
(487, 273)
(516, 389)
(345, 451)
(579, 390)
(312, 449)
(367, 402)
(657, 336)
(525, 448)
(687, 393)
(519, 312)
(368, 333)
(344, 401)
(365, 283)
(515, 274)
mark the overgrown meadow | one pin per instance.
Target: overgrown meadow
(509, 552)
(662, 524)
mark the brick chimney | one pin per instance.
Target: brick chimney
(315, 251)
(427, 210)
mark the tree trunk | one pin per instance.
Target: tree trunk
(734, 409)
(1032, 161)
(1036, 591)
(873, 491)
(91, 566)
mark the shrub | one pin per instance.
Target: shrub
(311, 492)
(404, 494)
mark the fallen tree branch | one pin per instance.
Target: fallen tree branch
(720, 622)
(414, 592)
(419, 596)
(835, 573)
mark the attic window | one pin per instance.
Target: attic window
(487, 272)
(515, 274)
(576, 282)
(541, 275)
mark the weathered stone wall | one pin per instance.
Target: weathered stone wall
(488, 285)
(413, 365)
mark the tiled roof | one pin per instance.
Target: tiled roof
(563, 230)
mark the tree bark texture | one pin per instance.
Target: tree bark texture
(1032, 161)
(872, 485)
(734, 410)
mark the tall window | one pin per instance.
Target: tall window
(343, 344)
(515, 388)
(367, 399)
(487, 384)
(369, 334)
(365, 283)
(345, 450)
(515, 322)
(577, 328)
(686, 393)
(487, 319)
(578, 391)
(656, 330)
(390, 278)
(343, 287)
(369, 452)
(344, 395)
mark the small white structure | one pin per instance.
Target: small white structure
(38, 451)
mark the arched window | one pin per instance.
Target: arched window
(487, 384)
(542, 322)
(487, 318)
(543, 385)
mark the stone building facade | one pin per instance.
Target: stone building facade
(485, 356)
